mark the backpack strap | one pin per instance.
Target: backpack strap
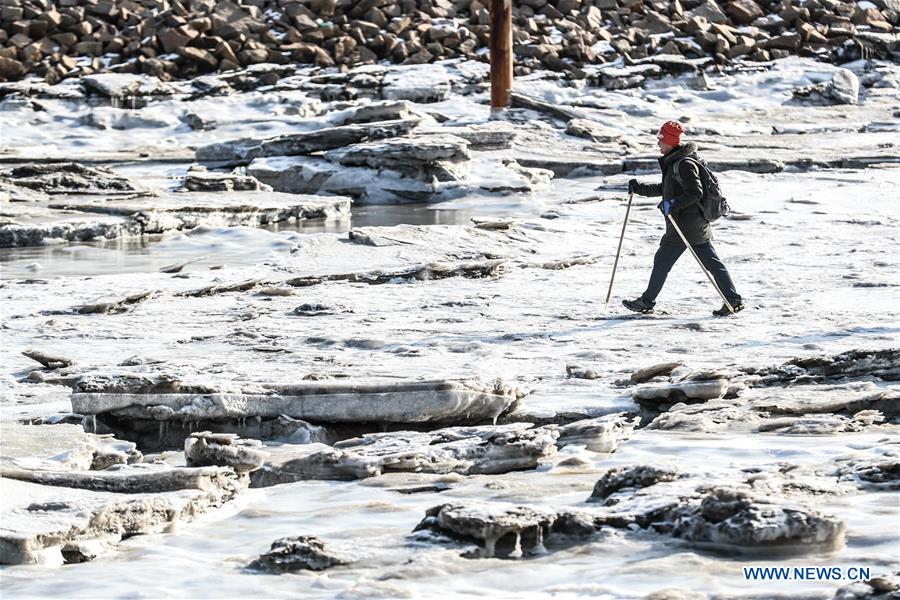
(676, 166)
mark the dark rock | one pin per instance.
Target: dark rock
(738, 519)
(300, 553)
(69, 178)
(743, 12)
(48, 360)
(646, 374)
(883, 475)
(854, 364)
(636, 477)
(886, 587)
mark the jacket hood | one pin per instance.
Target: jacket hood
(686, 150)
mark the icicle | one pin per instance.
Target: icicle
(162, 424)
(490, 542)
(539, 542)
(517, 550)
(93, 423)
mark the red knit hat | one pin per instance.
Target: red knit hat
(670, 133)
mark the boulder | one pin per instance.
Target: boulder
(11, 69)
(710, 11)
(743, 12)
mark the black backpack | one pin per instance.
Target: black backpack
(712, 203)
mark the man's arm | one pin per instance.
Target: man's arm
(645, 189)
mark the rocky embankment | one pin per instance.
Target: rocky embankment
(181, 39)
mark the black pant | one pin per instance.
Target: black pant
(669, 253)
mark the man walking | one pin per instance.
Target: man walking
(682, 191)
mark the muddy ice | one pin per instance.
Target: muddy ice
(401, 408)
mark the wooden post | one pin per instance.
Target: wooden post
(501, 52)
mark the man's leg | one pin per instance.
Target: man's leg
(717, 269)
(663, 261)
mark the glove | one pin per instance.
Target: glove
(632, 186)
(667, 206)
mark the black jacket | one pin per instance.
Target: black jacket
(687, 211)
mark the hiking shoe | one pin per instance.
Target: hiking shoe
(639, 305)
(724, 312)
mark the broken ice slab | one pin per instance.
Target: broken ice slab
(138, 407)
(330, 402)
(226, 449)
(120, 86)
(63, 226)
(429, 272)
(242, 151)
(501, 530)
(601, 434)
(69, 178)
(128, 479)
(486, 450)
(186, 210)
(53, 525)
(682, 391)
(86, 219)
(312, 175)
(57, 447)
(423, 157)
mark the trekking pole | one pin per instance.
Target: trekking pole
(697, 258)
(618, 250)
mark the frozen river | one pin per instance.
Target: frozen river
(503, 279)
